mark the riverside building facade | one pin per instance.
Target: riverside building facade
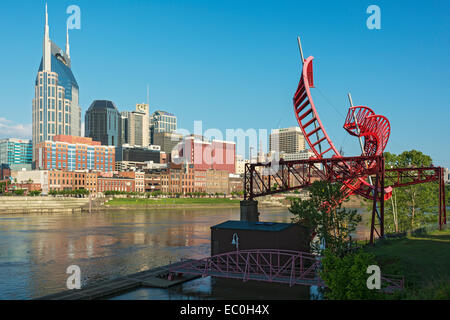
(74, 153)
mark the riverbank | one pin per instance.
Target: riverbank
(424, 261)
(42, 204)
(48, 204)
(170, 203)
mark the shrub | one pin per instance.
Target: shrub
(19, 192)
(346, 277)
(35, 193)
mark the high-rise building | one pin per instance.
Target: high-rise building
(301, 155)
(102, 122)
(167, 140)
(17, 153)
(288, 140)
(123, 128)
(162, 121)
(56, 109)
(74, 153)
(138, 154)
(240, 164)
(134, 126)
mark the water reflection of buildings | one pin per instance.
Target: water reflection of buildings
(103, 245)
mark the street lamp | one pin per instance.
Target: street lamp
(235, 241)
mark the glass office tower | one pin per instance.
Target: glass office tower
(102, 122)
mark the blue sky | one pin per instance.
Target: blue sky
(235, 64)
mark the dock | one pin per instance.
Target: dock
(153, 278)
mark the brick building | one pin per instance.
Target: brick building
(72, 180)
(178, 178)
(139, 179)
(74, 153)
(217, 181)
(115, 183)
(153, 180)
(200, 180)
(235, 183)
(5, 171)
(182, 178)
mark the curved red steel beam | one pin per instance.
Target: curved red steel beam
(373, 128)
(308, 118)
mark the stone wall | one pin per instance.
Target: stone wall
(41, 204)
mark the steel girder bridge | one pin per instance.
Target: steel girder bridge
(268, 265)
(363, 175)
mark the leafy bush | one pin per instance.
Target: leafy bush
(346, 277)
(35, 193)
(19, 192)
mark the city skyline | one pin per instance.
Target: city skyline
(259, 66)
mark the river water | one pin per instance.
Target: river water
(36, 249)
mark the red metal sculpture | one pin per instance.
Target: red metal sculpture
(361, 122)
(354, 172)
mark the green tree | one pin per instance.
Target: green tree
(414, 206)
(346, 277)
(323, 214)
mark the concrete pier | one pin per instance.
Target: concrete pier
(249, 210)
(153, 278)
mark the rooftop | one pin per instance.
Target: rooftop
(102, 104)
(255, 226)
(163, 113)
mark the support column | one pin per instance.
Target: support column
(440, 197)
(249, 210)
(382, 199)
(374, 210)
(444, 206)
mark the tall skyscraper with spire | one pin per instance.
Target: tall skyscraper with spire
(56, 108)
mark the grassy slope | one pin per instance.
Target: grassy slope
(170, 201)
(424, 260)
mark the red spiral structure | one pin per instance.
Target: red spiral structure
(361, 121)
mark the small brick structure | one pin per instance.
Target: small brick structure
(258, 235)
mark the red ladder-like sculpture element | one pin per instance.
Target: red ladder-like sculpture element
(361, 121)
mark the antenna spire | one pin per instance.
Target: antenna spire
(46, 55)
(67, 42)
(300, 47)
